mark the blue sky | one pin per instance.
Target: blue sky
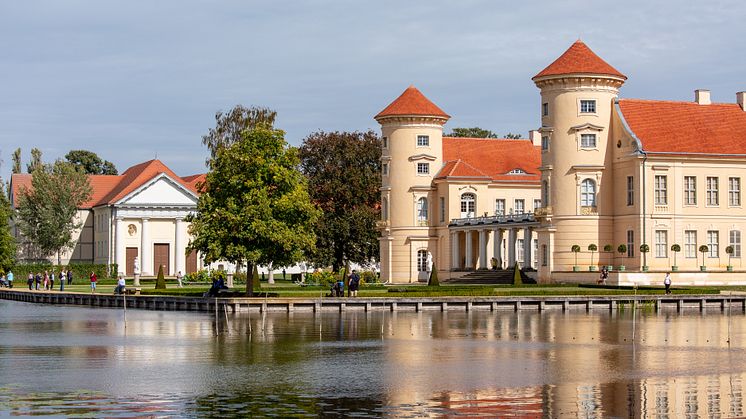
(132, 80)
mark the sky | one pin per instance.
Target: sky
(135, 80)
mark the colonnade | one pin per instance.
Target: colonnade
(489, 245)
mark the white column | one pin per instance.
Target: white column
(497, 245)
(454, 250)
(511, 247)
(179, 248)
(528, 247)
(469, 263)
(483, 249)
(146, 258)
(121, 252)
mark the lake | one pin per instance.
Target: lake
(83, 362)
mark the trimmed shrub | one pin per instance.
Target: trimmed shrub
(517, 280)
(160, 282)
(200, 276)
(256, 285)
(80, 270)
(433, 280)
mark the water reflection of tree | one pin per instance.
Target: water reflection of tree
(282, 402)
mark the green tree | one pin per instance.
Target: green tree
(230, 126)
(17, 160)
(344, 176)
(474, 132)
(35, 160)
(7, 242)
(47, 212)
(91, 163)
(254, 204)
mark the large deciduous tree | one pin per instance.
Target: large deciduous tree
(91, 163)
(344, 177)
(17, 161)
(47, 211)
(7, 242)
(230, 126)
(35, 160)
(474, 132)
(254, 206)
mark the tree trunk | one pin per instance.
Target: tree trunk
(59, 258)
(250, 278)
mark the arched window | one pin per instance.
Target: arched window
(468, 205)
(385, 209)
(588, 193)
(422, 260)
(545, 193)
(422, 211)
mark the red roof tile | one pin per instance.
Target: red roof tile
(686, 127)
(579, 59)
(412, 102)
(108, 189)
(494, 158)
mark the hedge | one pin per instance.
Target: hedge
(80, 270)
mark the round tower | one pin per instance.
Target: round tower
(412, 154)
(577, 95)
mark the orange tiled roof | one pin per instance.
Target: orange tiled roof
(686, 127)
(108, 189)
(579, 59)
(492, 158)
(412, 102)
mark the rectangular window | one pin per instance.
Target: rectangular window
(712, 191)
(520, 253)
(499, 207)
(520, 206)
(385, 142)
(630, 243)
(544, 255)
(690, 190)
(630, 190)
(734, 191)
(735, 242)
(661, 243)
(544, 109)
(385, 169)
(535, 252)
(442, 209)
(587, 140)
(423, 141)
(661, 190)
(423, 168)
(712, 243)
(537, 204)
(545, 143)
(690, 244)
(587, 106)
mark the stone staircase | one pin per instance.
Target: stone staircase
(490, 277)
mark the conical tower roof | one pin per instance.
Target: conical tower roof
(412, 102)
(579, 59)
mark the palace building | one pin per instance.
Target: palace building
(139, 213)
(633, 176)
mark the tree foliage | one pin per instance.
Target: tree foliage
(91, 163)
(474, 132)
(17, 161)
(230, 126)
(35, 160)
(254, 204)
(344, 176)
(511, 136)
(47, 212)
(7, 242)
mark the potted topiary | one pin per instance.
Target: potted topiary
(592, 248)
(610, 249)
(621, 249)
(729, 251)
(644, 249)
(703, 249)
(575, 249)
(675, 248)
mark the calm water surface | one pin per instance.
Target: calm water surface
(69, 361)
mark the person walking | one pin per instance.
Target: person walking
(63, 278)
(179, 277)
(37, 280)
(667, 282)
(10, 279)
(51, 281)
(94, 279)
(46, 280)
(354, 283)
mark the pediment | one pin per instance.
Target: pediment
(422, 157)
(160, 191)
(587, 126)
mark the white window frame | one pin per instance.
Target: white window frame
(423, 141)
(630, 191)
(587, 106)
(734, 191)
(499, 206)
(690, 190)
(713, 193)
(713, 239)
(537, 204)
(661, 189)
(587, 195)
(588, 141)
(734, 239)
(520, 252)
(661, 243)
(468, 206)
(690, 244)
(519, 203)
(422, 260)
(422, 210)
(423, 169)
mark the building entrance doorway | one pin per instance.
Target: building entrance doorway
(129, 268)
(161, 257)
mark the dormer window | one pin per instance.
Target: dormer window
(517, 172)
(588, 106)
(423, 141)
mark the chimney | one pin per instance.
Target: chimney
(702, 96)
(535, 137)
(741, 100)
